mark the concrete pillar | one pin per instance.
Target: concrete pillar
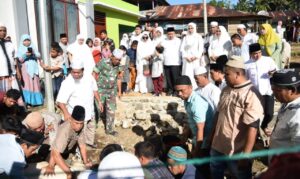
(86, 19)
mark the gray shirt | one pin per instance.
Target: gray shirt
(287, 128)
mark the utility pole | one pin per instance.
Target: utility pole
(205, 17)
(45, 52)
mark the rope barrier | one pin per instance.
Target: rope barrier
(201, 161)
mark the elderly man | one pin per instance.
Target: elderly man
(237, 120)
(68, 135)
(247, 39)
(172, 61)
(259, 70)
(8, 68)
(205, 88)
(79, 89)
(110, 73)
(286, 88)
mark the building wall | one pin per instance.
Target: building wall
(115, 16)
(13, 14)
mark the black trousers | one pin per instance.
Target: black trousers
(171, 73)
(268, 104)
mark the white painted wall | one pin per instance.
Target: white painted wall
(16, 15)
(86, 25)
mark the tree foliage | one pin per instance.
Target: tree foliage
(267, 5)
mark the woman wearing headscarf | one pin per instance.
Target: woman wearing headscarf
(220, 44)
(158, 36)
(125, 41)
(80, 51)
(28, 56)
(145, 50)
(270, 43)
(97, 50)
(191, 50)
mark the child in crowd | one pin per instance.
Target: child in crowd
(106, 53)
(157, 71)
(55, 68)
(131, 52)
(125, 66)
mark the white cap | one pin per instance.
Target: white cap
(77, 63)
(214, 23)
(200, 70)
(2, 25)
(241, 26)
(118, 53)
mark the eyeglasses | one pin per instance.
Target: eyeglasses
(145, 37)
(190, 28)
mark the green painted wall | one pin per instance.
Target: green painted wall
(113, 19)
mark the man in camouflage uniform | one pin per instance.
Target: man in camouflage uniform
(109, 72)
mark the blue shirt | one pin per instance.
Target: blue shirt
(191, 173)
(199, 111)
(132, 55)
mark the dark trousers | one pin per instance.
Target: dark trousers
(56, 83)
(171, 73)
(158, 84)
(268, 104)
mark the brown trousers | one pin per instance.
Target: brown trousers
(131, 83)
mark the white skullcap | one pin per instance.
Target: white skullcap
(120, 165)
(2, 25)
(200, 70)
(241, 26)
(77, 63)
(118, 53)
(184, 33)
(214, 23)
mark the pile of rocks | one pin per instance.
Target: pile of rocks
(161, 115)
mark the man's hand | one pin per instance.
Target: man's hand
(49, 170)
(100, 106)
(268, 132)
(88, 165)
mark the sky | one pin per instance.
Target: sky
(174, 2)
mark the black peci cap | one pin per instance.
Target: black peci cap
(31, 136)
(63, 35)
(254, 47)
(78, 113)
(170, 29)
(286, 77)
(183, 80)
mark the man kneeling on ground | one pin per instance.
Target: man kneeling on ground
(68, 135)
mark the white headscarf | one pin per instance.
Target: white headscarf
(125, 41)
(224, 34)
(98, 47)
(158, 40)
(82, 52)
(120, 165)
(191, 38)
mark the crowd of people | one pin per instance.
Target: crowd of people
(228, 85)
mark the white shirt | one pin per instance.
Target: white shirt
(287, 129)
(12, 158)
(157, 66)
(211, 93)
(65, 56)
(248, 39)
(192, 46)
(78, 92)
(3, 62)
(258, 73)
(172, 52)
(222, 85)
